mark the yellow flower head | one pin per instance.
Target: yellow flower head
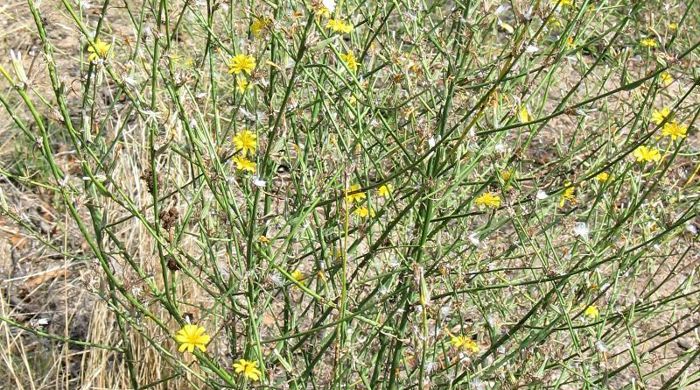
(602, 177)
(248, 368)
(242, 84)
(659, 116)
(259, 26)
(570, 44)
(648, 42)
(323, 12)
(350, 60)
(488, 199)
(325, 8)
(666, 79)
(243, 164)
(385, 190)
(352, 198)
(591, 312)
(674, 130)
(644, 154)
(673, 26)
(191, 337)
(523, 114)
(263, 239)
(569, 194)
(364, 212)
(246, 142)
(339, 26)
(298, 276)
(554, 22)
(465, 343)
(241, 63)
(98, 50)
(506, 174)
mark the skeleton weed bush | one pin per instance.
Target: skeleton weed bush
(363, 194)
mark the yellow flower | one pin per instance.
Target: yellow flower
(570, 42)
(506, 174)
(339, 26)
(242, 84)
(554, 23)
(602, 177)
(243, 164)
(673, 26)
(175, 58)
(385, 190)
(648, 42)
(644, 154)
(245, 141)
(659, 116)
(563, 3)
(591, 312)
(323, 12)
(98, 50)
(523, 114)
(263, 239)
(569, 194)
(666, 79)
(350, 60)
(488, 199)
(248, 368)
(464, 342)
(352, 198)
(191, 337)
(674, 130)
(364, 212)
(325, 8)
(259, 26)
(298, 276)
(241, 63)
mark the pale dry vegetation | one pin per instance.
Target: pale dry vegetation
(463, 203)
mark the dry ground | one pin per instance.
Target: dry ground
(44, 292)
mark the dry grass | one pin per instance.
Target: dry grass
(96, 281)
